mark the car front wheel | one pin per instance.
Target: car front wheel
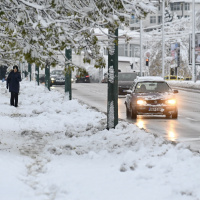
(133, 114)
(127, 112)
(175, 115)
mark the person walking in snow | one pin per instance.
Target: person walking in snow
(13, 80)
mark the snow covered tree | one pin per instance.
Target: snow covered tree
(176, 31)
(168, 15)
(39, 30)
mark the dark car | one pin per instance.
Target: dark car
(83, 79)
(151, 96)
(57, 77)
(125, 80)
(41, 78)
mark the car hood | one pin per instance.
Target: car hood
(57, 76)
(53, 76)
(156, 96)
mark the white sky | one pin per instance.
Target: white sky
(55, 149)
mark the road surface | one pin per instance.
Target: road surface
(185, 129)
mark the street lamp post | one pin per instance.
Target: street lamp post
(193, 42)
(141, 48)
(163, 38)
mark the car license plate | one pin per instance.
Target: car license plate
(154, 109)
(60, 80)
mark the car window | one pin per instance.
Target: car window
(126, 76)
(56, 72)
(59, 72)
(146, 87)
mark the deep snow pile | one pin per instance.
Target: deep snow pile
(53, 148)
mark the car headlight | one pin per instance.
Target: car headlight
(53, 79)
(141, 102)
(171, 101)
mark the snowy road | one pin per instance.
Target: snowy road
(185, 128)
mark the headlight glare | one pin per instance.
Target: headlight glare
(171, 101)
(141, 102)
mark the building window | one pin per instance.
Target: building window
(152, 19)
(134, 20)
(105, 51)
(122, 50)
(179, 16)
(134, 50)
(159, 19)
(126, 50)
(187, 6)
(175, 6)
(186, 16)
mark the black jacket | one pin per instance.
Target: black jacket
(13, 81)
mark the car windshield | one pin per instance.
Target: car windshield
(56, 72)
(146, 87)
(126, 76)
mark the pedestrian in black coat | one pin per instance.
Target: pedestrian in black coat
(13, 80)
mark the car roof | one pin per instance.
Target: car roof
(149, 78)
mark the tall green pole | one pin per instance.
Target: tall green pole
(112, 105)
(37, 70)
(68, 75)
(29, 70)
(47, 76)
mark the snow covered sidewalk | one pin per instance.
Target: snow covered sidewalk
(55, 149)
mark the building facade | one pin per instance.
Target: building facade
(175, 9)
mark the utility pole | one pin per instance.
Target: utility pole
(163, 38)
(68, 74)
(141, 47)
(112, 104)
(193, 42)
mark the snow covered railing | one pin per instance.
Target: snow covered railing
(185, 84)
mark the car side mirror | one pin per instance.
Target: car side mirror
(175, 91)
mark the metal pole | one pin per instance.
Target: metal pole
(193, 41)
(112, 104)
(29, 70)
(68, 75)
(141, 48)
(163, 39)
(37, 70)
(47, 75)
